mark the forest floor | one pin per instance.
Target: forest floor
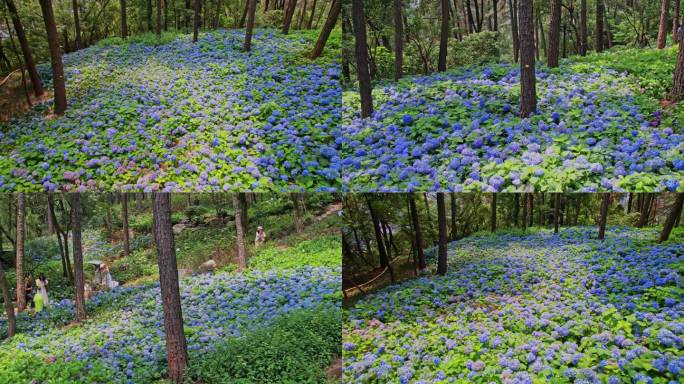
(536, 307)
(291, 291)
(601, 124)
(167, 114)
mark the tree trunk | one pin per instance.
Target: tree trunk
(443, 37)
(7, 299)
(672, 217)
(556, 212)
(36, 82)
(329, 25)
(176, 349)
(516, 209)
(645, 210)
(311, 17)
(78, 257)
(124, 21)
(495, 13)
(159, 14)
(554, 34)
(600, 10)
(250, 25)
(442, 244)
(453, 215)
(398, 40)
(605, 204)
(662, 30)
(513, 8)
(196, 22)
(492, 221)
(524, 211)
(299, 226)
(289, 12)
(420, 245)
(240, 233)
(359, 20)
(19, 250)
(528, 80)
(382, 251)
(676, 19)
(677, 93)
(584, 39)
(124, 219)
(55, 57)
(77, 24)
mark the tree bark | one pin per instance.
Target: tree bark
(176, 349)
(398, 40)
(77, 24)
(513, 8)
(677, 93)
(124, 219)
(382, 251)
(492, 221)
(299, 225)
(556, 212)
(159, 17)
(453, 215)
(311, 17)
(583, 29)
(443, 37)
(289, 12)
(442, 243)
(240, 233)
(55, 57)
(524, 211)
(528, 80)
(250, 25)
(329, 25)
(420, 245)
(19, 251)
(676, 19)
(196, 22)
(78, 257)
(662, 29)
(36, 82)
(495, 13)
(365, 89)
(605, 204)
(554, 34)
(516, 209)
(672, 217)
(600, 10)
(645, 210)
(7, 299)
(124, 21)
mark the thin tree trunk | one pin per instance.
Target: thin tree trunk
(124, 219)
(7, 299)
(240, 233)
(55, 57)
(453, 215)
(382, 251)
(645, 210)
(159, 14)
(492, 221)
(677, 93)
(196, 23)
(662, 29)
(524, 211)
(363, 74)
(584, 39)
(329, 25)
(36, 82)
(250, 25)
(528, 80)
(77, 24)
(672, 217)
(442, 243)
(600, 10)
(398, 40)
(676, 19)
(289, 13)
(20, 235)
(443, 37)
(513, 8)
(176, 348)
(124, 21)
(554, 34)
(495, 13)
(556, 212)
(420, 245)
(605, 204)
(78, 257)
(299, 226)
(311, 17)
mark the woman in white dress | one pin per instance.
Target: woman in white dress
(41, 284)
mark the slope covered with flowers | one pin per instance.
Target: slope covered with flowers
(461, 130)
(181, 116)
(532, 308)
(125, 342)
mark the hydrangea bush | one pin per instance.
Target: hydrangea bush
(538, 308)
(181, 116)
(125, 342)
(461, 131)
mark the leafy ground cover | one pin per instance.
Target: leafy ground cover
(598, 127)
(534, 308)
(123, 341)
(174, 115)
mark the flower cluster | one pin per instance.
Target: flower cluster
(522, 309)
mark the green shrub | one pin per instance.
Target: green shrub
(384, 62)
(295, 348)
(141, 222)
(21, 367)
(475, 49)
(273, 18)
(324, 252)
